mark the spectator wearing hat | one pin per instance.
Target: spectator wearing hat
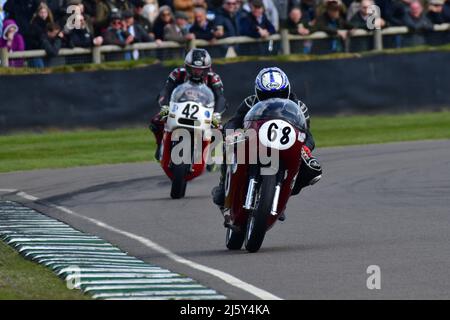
(12, 40)
(117, 34)
(140, 19)
(179, 30)
(105, 9)
(436, 11)
(333, 23)
(256, 24)
(202, 28)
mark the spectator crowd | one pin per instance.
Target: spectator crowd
(55, 24)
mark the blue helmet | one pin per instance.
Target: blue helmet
(272, 83)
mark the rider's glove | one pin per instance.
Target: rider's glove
(216, 119)
(164, 112)
(306, 152)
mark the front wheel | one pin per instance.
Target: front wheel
(234, 239)
(179, 181)
(257, 223)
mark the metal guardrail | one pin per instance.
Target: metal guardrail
(284, 37)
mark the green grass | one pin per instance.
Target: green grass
(125, 65)
(27, 151)
(23, 279)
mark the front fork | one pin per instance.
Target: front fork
(252, 190)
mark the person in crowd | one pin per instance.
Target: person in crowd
(39, 21)
(178, 31)
(214, 5)
(83, 37)
(21, 11)
(360, 19)
(202, 28)
(117, 34)
(418, 23)
(105, 9)
(52, 41)
(333, 23)
(228, 18)
(13, 41)
(150, 10)
(210, 13)
(309, 8)
(446, 11)
(165, 17)
(296, 23)
(186, 6)
(398, 11)
(270, 11)
(136, 30)
(436, 11)
(75, 10)
(2, 13)
(140, 19)
(89, 7)
(256, 24)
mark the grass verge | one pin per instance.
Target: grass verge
(21, 279)
(27, 151)
(125, 65)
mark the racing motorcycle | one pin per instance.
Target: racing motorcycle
(257, 192)
(191, 108)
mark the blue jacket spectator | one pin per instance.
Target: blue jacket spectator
(229, 18)
(256, 24)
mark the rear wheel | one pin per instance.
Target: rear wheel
(257, 223)
(179, 181)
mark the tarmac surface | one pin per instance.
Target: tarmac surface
(384, 205)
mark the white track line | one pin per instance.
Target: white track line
(8, 190)
(228, 278)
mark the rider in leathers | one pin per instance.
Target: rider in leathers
(197, 68)
(266, 81)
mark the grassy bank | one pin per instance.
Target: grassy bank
(125, 65)
(22, 279)
(29, 151)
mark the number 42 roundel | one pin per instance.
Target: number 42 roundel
(277, 134)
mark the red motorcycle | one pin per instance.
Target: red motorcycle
(189, 122)
(257, 192)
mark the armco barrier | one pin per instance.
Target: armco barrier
(380, 83)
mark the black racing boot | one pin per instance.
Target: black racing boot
(218, 192)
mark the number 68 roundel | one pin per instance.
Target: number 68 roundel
(277, 134)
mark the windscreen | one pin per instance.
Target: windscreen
(199, 93)
(283, 109)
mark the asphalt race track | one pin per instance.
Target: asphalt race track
(385, 205)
